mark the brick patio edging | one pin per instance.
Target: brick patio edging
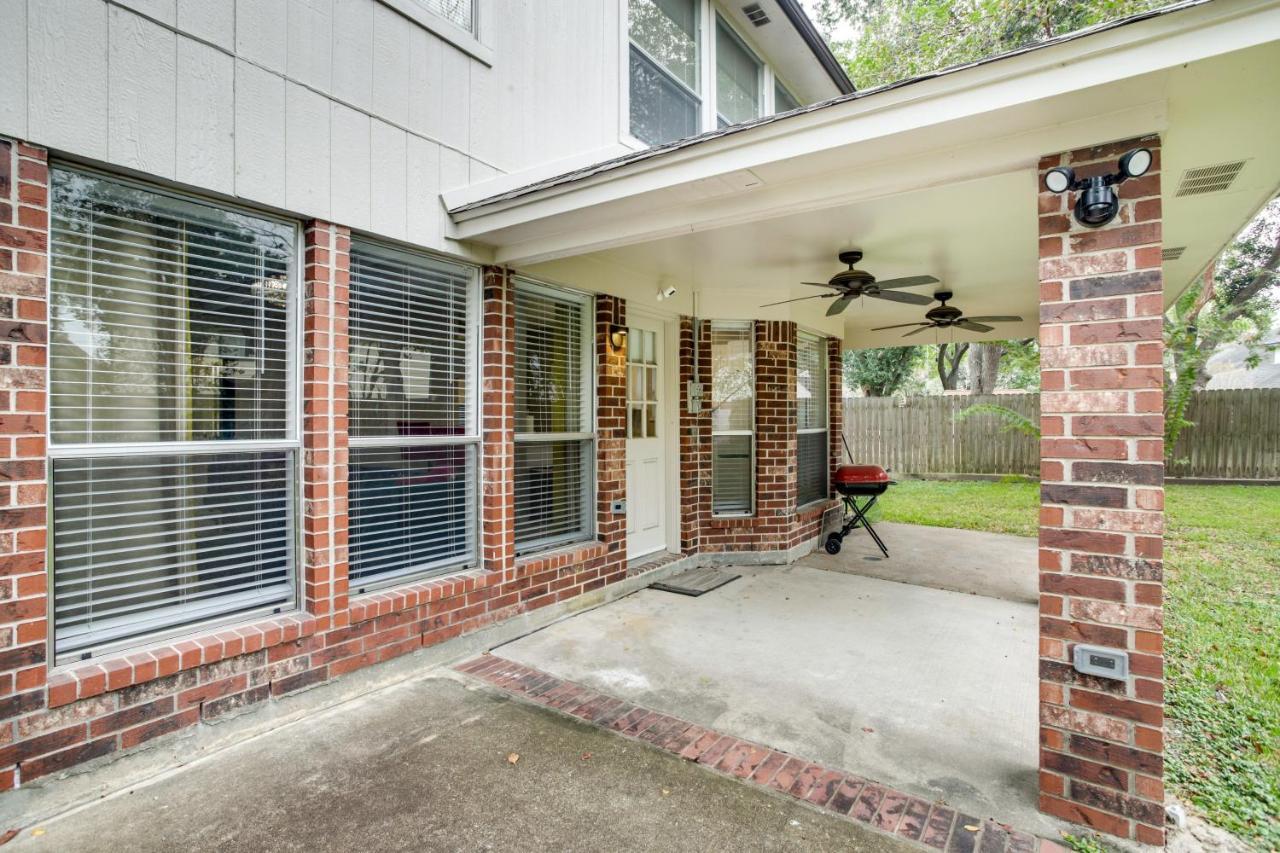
(934, 826)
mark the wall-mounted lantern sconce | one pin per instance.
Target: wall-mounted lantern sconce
(1098, 203)
(617, 337)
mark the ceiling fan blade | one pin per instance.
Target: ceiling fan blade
(919, 330)
(800, 299)
(840, 304)
(972, 326)
(909, 298)
(899, 326)
(822, 284)
(909, 281)
(994, 319)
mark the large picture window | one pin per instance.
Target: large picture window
(665, 99)
(173, 416)
(811, 418)
(413, 431)
(733, 397)
(554, 417)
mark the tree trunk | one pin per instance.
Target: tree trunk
(984, 367)
(949, 366)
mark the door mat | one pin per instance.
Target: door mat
(695, 581)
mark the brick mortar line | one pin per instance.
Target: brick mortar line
(878, 807)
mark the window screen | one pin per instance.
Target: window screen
(413, 469)
(811, 417)
(733, 381)
(737, 78)
(664, 89)
(554, 440)
(461, 13)
(783, 100)
(171, 399)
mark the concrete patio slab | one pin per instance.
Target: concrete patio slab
(423, 765)
(990, 564)
(930, 691)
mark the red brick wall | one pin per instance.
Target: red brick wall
(1101, 518)
(24, 237)
(51, 720)
(775, 525)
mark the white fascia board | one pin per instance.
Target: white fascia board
(1097, 60)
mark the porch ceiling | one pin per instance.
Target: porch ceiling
(938, 177)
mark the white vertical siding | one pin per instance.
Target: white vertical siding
(339, 109)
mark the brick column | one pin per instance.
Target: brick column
(835, 402)
(692, 465)
(776, 467)
(611, 432)
(498, 422)
(24, 240)
(324, 415)
(1101, 519)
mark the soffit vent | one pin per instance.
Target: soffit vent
(1173, 253)
(1209, 179)
(755, 14)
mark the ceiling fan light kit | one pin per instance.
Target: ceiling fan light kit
(1098, 203)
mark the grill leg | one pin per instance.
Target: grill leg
(860, 519)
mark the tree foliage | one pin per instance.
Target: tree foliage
(880, 372)
(896, 39)
(1234, 302)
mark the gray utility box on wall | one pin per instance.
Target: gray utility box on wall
(1104, 663)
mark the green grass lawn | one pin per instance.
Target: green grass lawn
(1222, 624)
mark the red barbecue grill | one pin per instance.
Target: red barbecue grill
(855, 482)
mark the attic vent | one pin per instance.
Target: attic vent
(1172, 254)
(1208, 179)
(755, 14)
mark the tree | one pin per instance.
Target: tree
(880, 372)
(984, 367)
(949, 359)
(896, 39)
(1234, 301)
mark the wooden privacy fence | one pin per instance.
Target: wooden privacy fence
(1236, 435)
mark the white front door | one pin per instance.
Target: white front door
(646, 468)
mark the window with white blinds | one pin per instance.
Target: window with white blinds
(733, 397)
(811, 418)
(173, 416)
(460, 13)
(554, 433)
(414, 440)
(738, 77)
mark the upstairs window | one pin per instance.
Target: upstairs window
(173, 412)
(733, 398)
(460, 13)
(665, 97)
(811, 418)
(783, 100)
(738, 76)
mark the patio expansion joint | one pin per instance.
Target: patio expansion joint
(930, 825)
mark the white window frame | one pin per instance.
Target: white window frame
(471, 437)
(764, 80)
(707, 13)
(476, 42)
(825, 429)
(749, 327)
(588, 384)
(291, 444)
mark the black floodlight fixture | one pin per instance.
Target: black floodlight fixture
(1098, 203)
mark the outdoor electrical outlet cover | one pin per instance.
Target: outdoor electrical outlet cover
(620, 507)
(1104, 663)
